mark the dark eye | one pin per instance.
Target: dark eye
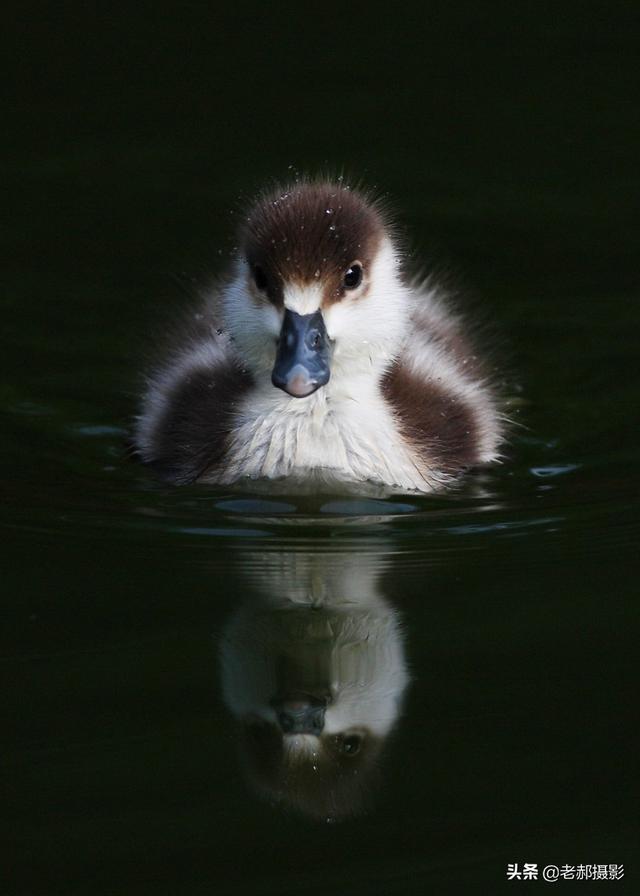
(260, 278)
(351, 744)
(353, 277)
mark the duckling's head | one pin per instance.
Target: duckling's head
(316, 291)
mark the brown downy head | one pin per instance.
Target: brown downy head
(311, 256)
(319, 235)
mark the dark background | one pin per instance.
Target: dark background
(506, 136)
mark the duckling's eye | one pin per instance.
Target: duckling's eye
(351, 745)
(353, 277)
(260, 278)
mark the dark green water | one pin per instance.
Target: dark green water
(508, 140)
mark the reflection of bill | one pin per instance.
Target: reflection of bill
(314, 672)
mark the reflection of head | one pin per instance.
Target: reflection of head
(324, 777)
(314, 672)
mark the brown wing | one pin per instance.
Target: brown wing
(190, 435)
(438, 424)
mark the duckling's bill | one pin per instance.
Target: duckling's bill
(302, 358)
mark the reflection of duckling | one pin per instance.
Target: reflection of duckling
(317, 361)
(314, 673)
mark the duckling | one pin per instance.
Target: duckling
(318, 361)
